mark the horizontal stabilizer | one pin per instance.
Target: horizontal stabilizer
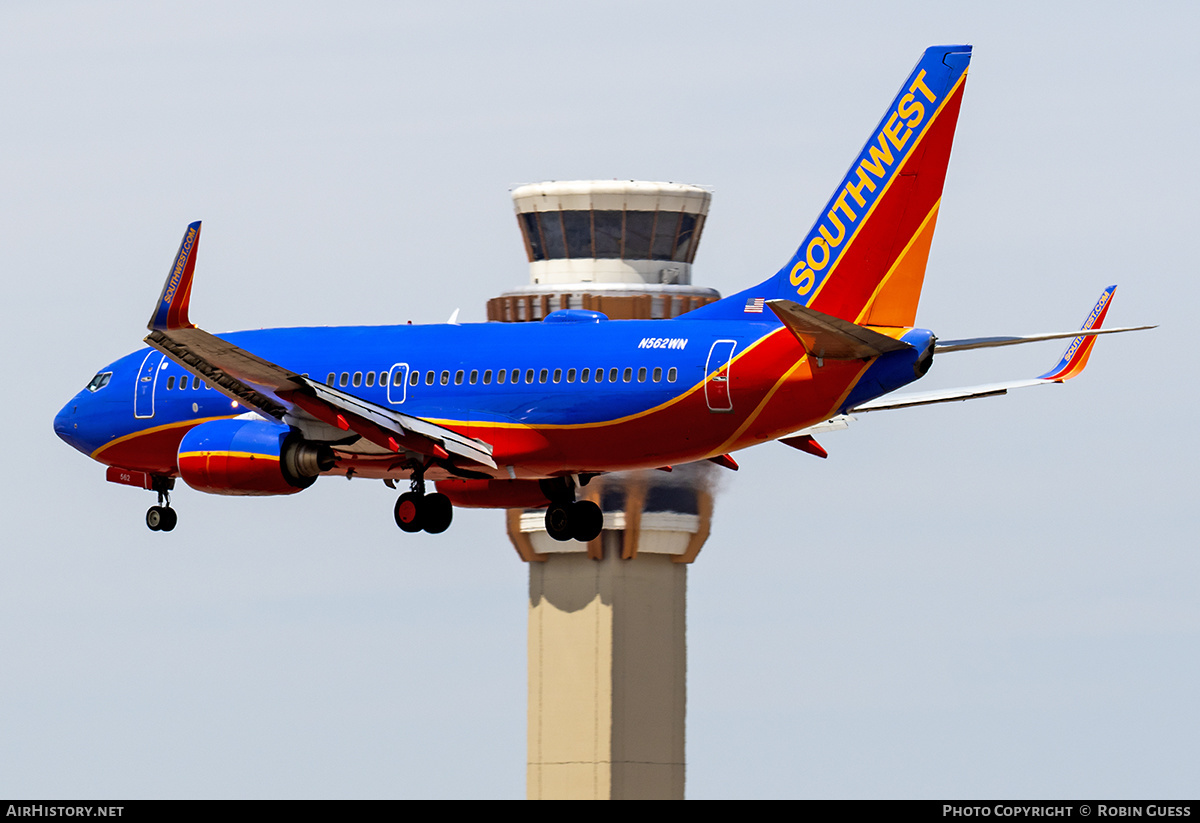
(944, 346)
(830, 338)
(903, 401)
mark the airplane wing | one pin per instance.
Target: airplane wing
(279, 393)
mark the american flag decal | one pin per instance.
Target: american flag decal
(753, 306)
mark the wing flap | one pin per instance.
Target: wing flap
(233, 371)
(389, 429)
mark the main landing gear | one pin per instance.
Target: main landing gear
(162, 518)
(568, 518)
(416, 510)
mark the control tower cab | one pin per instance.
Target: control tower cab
(623, 247)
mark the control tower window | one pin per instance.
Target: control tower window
(638, 227)
(666, 230)
(577, 227)
(533, 235)
(689, 228)
(552, 235)
(610, 235)
(609, 226)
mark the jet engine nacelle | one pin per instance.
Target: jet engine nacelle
(250, 457)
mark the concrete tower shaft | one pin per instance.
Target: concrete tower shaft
(608, 619)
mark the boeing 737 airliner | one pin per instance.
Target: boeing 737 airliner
(518, 415)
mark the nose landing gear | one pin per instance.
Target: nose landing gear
(162, 518)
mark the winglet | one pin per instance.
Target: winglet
(171, 311)
(1076, 356)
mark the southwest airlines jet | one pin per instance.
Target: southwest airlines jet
(520, 414)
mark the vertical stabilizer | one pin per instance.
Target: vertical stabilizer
(864, 258)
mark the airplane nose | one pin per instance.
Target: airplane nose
(66, 425)
(62, 421)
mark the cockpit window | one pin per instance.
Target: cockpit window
(99, 381)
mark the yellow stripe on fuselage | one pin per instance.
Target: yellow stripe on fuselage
(155, 430)
(616, 420)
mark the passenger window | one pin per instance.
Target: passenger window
(383, 378)
(612, 375)
(642, 374)
(542, 375)
(516, 376)
(397, 378)
(628, 374)
(445, 378)
(599, 375)
(170, 382)
(344, 379)
(671, 374)
(370, 379)
(487, 377)
(529, 375)
(357, 381)
(558, 375)
(570, 375)
(413, 379)
(584, 375)
(658, 374)
(501, 376)
(196, 382)
(429, 377)
(329, 380)
(458, 377)
(474, 377)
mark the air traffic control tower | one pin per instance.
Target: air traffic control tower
(608, 619)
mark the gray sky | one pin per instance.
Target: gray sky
(996, 598)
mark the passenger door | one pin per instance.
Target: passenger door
(143, 398)
(716, 387)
